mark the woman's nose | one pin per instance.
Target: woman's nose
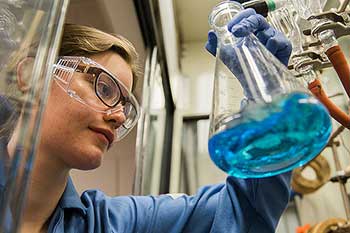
(116, 118)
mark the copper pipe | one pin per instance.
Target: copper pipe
(338, 114)
(338, 60)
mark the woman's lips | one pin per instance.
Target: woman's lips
(103, 138)
(104, 134)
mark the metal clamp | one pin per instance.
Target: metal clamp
(341, 176)
(318, 61)
(339, 22)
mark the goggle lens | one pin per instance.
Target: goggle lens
(107, 90)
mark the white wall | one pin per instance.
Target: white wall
(197, 69)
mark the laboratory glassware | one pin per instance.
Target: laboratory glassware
(263, 121)
(308, 9)
(30, 32)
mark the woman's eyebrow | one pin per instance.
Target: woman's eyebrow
(119, 79)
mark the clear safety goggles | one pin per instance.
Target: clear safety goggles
(94, 86)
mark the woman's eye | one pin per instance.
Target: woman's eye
(104, 90)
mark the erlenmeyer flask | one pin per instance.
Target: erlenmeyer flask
(263, 121)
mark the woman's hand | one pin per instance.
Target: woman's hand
(248, 21)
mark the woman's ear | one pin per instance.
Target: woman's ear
(24, 73)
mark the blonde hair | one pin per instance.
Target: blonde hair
(79, 40)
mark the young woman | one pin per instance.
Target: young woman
(89, 106)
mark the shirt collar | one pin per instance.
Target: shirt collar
(70, 198)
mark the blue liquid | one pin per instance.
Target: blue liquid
(266, 140)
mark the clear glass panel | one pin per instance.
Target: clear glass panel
(153, 154)
(155, 136)
(149, 151)
(27, 30)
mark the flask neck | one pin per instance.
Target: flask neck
(221, 16)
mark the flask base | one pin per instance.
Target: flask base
(266, 140)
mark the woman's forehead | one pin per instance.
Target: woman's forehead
(116, 65)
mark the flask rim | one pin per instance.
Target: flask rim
(229, 8)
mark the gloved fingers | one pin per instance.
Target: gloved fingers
(245, 26)
(283, 54)
(241, 15)
(212, 42)
(246, 22)
(279, 46)
(272, 45)
(265, 35)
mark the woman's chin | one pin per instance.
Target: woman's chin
(89, 160)
(88, 166)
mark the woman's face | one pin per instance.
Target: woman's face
(73, 133)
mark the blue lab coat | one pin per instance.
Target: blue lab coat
(239, 206)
